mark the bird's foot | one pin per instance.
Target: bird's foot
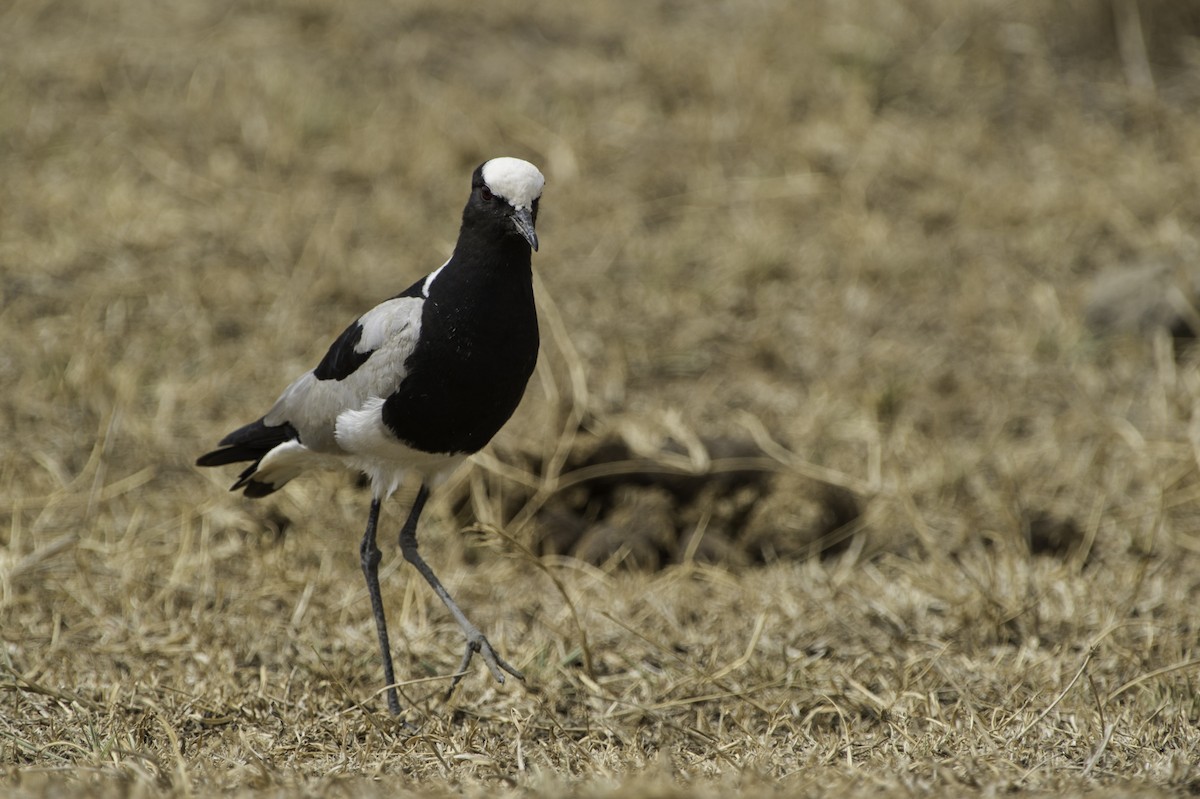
(478, 643)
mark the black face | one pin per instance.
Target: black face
(484, 201)
(485, 207)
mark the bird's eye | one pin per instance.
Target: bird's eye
(486, 193)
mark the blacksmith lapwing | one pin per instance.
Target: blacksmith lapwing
(416, 384)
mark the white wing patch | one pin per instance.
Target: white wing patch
(312, 406)
(386, 320)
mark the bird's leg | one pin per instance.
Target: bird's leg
(369, 553)
(476, 642)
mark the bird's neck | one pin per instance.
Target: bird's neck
(488, 265)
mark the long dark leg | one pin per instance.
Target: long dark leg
(369, 554)
(476, 642)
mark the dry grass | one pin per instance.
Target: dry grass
(862, 232)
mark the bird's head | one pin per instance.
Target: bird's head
(506, 191)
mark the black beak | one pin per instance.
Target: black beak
(522, 219)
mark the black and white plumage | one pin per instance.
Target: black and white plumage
(417, 383)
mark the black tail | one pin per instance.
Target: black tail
(249, 443)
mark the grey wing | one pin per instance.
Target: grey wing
(367, 360)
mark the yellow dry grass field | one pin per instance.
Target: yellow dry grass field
(827, 483)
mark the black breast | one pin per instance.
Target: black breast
(477, 349)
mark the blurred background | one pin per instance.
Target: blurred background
(868, 231)
(850, 283)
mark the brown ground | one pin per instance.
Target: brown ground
(861, 505)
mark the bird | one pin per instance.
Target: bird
(416, 385)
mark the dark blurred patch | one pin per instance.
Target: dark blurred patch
(264, 533)
(276, 527)
(802, 520)
(684, 487)
(1144, 298)
(1052, 536)
(638, 532)
(1094, 31)
(646, 512)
